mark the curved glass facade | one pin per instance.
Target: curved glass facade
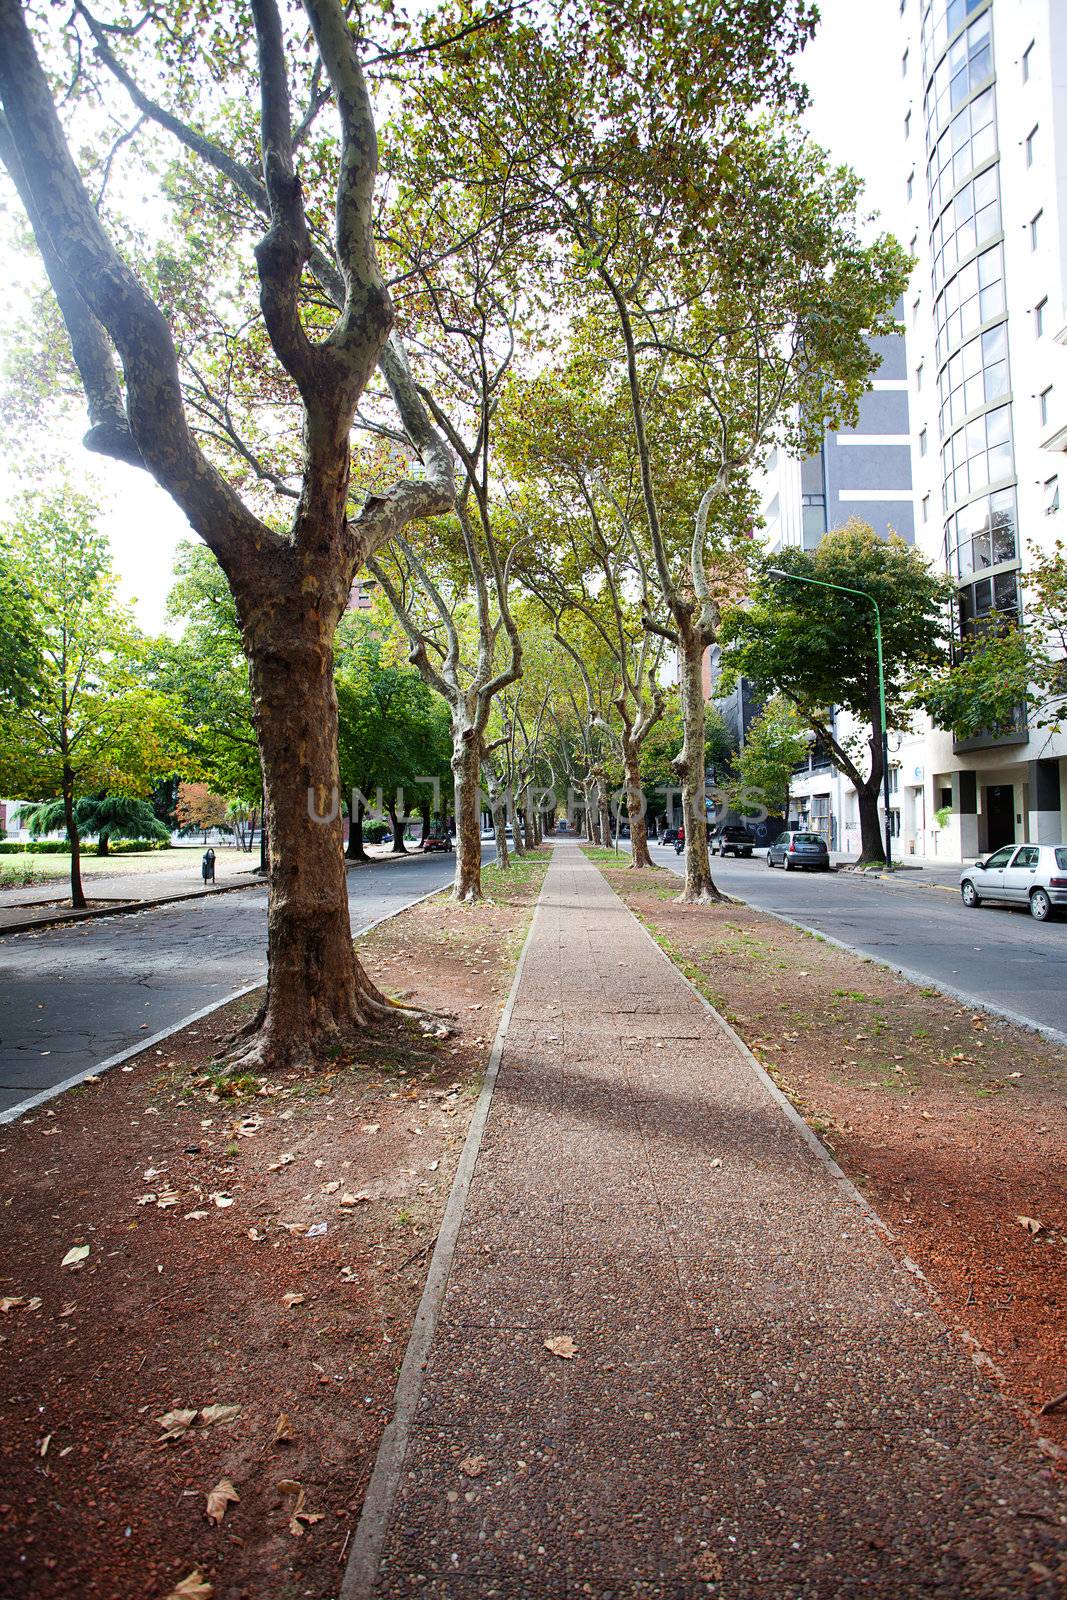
(941, 21)
(971, 219)
(967, 143)
(965, 67)
(967, 256)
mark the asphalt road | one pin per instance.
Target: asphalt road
(997, 956)
(72, 997)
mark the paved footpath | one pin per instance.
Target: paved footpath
(761, 1403)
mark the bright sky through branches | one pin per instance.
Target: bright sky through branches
(853, 70)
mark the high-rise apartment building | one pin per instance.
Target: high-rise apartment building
(984, 141)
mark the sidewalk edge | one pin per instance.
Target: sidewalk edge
(361, 1573)
(972, 1345)
(42, 1096)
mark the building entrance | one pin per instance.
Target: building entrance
(1000, 815)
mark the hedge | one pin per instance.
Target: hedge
(60, 847)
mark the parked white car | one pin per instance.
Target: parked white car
(1019, 875)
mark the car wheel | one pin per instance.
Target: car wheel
(1040, 906)
(786, 867)
(770, 863)
(970, 896)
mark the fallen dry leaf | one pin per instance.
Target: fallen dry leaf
(331, 1187)
(147, 1200)
(212, 1414)
(171, 1198)
(371, 1127)
(298, 1514)
(283, 1431)
(194, 1587)
(175, 1424)
(1031, 1224)
(75, 1255)
(221, 1199)
(360, 1199)
(195, 1216)
(473, 1466)
(222, 1495)
(292, 1299)
(562, 1345)
(282, 1161)
(9, 1302)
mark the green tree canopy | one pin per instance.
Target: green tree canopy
(817, 645)
(93, 721)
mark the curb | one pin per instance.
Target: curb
(361, 1573)
(1043, 1029)
(122, 908)
(129, 907)
(40, 1097)
(973, 1346)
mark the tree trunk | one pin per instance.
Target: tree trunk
(513, 819)
(604, 814)
(592, 817)
(77, 893)
(635, 804)
(539, 827)
(466, 773)
(356, 850)
(689, 765)
(425, 816)
(872, 845)
(397, 825)
(496, 811)
(102, 842)
(318, 995)
(529, 832)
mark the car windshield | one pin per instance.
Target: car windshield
(807, 838)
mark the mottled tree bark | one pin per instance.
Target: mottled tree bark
(689, 765)
(466, 773)
(512, 809)
(635, 803)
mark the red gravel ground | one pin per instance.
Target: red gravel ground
(950, 1121)
(219, 1291)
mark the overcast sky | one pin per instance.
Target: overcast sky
(853, 70)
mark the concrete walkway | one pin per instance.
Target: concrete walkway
(761, 1401)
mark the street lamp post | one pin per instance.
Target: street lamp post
(821, 583)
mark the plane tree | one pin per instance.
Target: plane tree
(280, 229)
(721, 256)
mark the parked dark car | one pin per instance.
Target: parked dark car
(668, 836)
(730, 840)
(796, 849)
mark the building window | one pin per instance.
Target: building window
(974, 377)
(915, 308)
(904, 65)
(1031, 146)
(978, 454)
(1044, 401)
(1039, 317)
(1028, 57)
(922, 442)
(1035, 230)
(970, 219)
(911, 184)
(982, 535)
(926, 508)
(813, 519)
(919, 375)
(975, 295)
(1052, 496)
(961, 71)
(983, 603)
(907, 124)
(966, 144)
